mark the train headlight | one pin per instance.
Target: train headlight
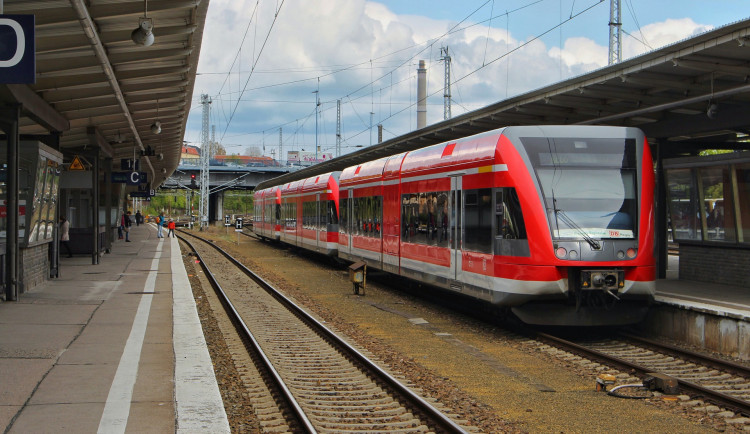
(561, 252)
(620, 254)
(573, 254)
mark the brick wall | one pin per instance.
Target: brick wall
(33, 267)
(729, 266)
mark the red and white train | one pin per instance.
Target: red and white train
(554, 222)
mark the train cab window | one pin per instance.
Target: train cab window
(477, 222)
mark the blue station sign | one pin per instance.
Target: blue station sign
(17, 49)
(130, 178)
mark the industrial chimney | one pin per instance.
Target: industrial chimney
(421, 96)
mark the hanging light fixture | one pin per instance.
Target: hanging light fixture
(144, 34)
(156, 126)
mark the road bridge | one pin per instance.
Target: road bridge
(221, 179)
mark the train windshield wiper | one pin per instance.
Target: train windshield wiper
(568, 221)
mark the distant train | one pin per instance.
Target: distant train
(554, 222)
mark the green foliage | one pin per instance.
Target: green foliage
(715, 152)
(172, 203)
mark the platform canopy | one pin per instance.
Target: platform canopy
(97, 87)
(688, 96)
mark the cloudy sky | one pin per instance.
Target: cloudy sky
(262, 61)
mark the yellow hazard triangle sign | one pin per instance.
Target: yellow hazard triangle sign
(76, 164)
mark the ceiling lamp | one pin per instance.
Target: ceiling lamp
(144, 34)
(156, 126)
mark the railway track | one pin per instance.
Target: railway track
(721, 382)
(318, 382)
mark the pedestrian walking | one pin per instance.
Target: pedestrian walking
(138, 218)
(65, 235)
(171, 226)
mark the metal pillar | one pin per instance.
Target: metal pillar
(10, 116)
(615, 32)
(447, 89)
(95, 206)
(108, 205)
(421, 96)
(205, 157)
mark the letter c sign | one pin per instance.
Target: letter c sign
(17, 50)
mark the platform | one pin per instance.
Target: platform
(114, 347)
(705, 315)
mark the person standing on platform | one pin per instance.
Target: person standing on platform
(138, 218)
(160, 225)
(65, 235)
(125, 223)
(171, 226)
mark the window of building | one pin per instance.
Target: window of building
(717, 199)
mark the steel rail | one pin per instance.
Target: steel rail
(695, 357)
(436, 416)
(737, 405)
(250, 340)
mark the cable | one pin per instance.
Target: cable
(257, 59)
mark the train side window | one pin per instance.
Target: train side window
(344, 215)
(478, 220)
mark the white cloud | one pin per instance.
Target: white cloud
(311, 39)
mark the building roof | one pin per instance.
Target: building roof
(97, 88)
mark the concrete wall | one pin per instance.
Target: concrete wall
(33, 267)
(715, 264)
(722, 334)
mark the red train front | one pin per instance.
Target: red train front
(555, 222)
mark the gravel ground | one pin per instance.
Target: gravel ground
(498, 381)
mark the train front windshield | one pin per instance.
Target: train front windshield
(588, 186)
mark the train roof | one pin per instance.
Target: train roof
(368, 171)
(453, 155)
(325, 181)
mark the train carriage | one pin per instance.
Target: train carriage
(556, 222)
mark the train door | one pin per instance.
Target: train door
(351, 221)
(318, 224)
(456, 226)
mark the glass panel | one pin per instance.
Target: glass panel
(683, 204)
(509, 219)
(717, 200)
(743, 188)
(478, 220)
(589, 185)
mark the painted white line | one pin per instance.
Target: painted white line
(117, 409)
(198, 401)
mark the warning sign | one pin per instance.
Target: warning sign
(76, 164)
